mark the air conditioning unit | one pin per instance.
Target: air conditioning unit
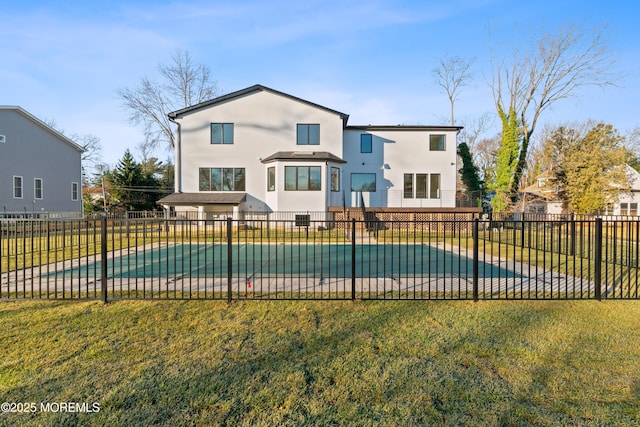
(3, 139)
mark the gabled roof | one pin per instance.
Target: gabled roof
(318, 156)
(42, 124)
(545, 192)
(247, 91)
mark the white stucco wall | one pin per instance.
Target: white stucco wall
(264, 123)
(394, 153)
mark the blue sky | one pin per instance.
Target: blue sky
(373, 60)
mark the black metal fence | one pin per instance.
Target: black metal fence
(306, 259)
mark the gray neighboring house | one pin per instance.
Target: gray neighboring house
(40, 169)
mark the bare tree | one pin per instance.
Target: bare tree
(632, 143)
(552, 69)
(183, 84)
(90, 144)
(451, 74)
(470, 136)
(474, 128)
(92, 153)
(485, 156)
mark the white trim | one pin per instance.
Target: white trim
(43, 125)
(13, 184)
(77, 191)
(35, 195)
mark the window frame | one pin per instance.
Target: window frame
(226, 133)
(435, 193)
(304, 134)
(271, 178)
(407, 185)
(375, 183)
(298, 173)
(74, 191)
(440, 145)
(227, 179)
(19, 187)
(335, 179)
(421, 185)
(38, 188)
(366, 139)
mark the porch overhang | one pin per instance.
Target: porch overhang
(203, 199)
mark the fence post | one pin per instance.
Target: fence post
(598, 260)
(103, 257)
(572, 241)
(353, 259)
(229, 259)
(476, 252)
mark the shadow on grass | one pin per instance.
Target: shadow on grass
(291, 363)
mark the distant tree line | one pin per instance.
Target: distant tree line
(586, 162)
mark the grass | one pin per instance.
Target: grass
(323, 363)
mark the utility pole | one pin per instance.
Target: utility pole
(104, 197)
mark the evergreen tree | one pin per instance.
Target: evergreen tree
(470, 173)
(127, 182)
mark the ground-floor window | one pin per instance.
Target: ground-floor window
(363, 182)
(629, 209)
(422, 186)
(434, 186)
(271, 179)
(335, 179)
(302, 178)
(222, 179)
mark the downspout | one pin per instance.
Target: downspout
(177, 173)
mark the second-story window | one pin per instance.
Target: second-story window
(17, 187)
(366, 143)
(436, 143)
(222, 133)
(308, 134)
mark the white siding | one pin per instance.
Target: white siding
(264, 123)
(394, 153)
(33, 150)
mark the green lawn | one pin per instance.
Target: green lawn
(323, 363)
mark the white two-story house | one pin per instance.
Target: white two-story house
(261, 150)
